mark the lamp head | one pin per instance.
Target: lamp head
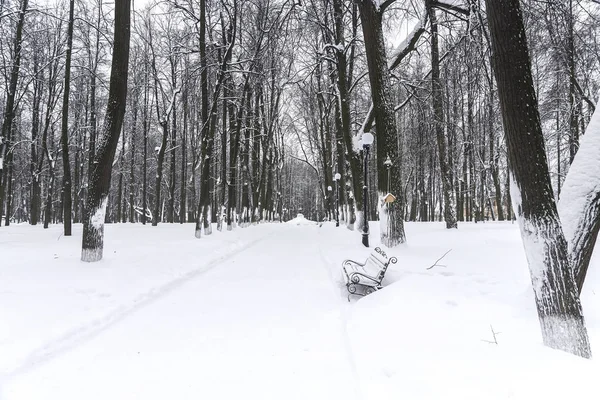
(388, 162)
(367, 139)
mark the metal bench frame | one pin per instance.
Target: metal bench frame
(360, 281)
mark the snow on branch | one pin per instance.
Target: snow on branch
(450, 7)
(409, 43)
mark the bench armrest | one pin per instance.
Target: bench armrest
(349, 263)
(355, 277)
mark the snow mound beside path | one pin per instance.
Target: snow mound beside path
(300, 220)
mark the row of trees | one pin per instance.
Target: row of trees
(235, 111)
(297, 73)
(201, 125)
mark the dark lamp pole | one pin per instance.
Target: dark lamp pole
(329, 189)
(388, 165)
(367, 140)
(337, 178)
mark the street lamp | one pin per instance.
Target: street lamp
(388, 165)
(329, 189)
(367, 140)
(337, 178)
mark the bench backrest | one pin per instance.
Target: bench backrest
(378, 262)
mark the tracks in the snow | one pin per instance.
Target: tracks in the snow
(87, 331)
(344, 309)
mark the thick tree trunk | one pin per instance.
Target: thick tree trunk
(556, 294)
(93, 223)
(390, 214)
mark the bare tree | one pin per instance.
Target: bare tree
(93, 223)
(390, 214)
(555, 289)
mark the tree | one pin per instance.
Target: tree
(555, 290)
(97, 198)
(438, 111)
(579, 206)
(390, 214)
(67, 184)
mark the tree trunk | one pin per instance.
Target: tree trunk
(579, 206)
(390, 214)
(93, 224)
(556, 294)
(67, 192)
(183, 187)
(120, 208)
(132, 147)
(173, 150)
(160, 159)
(438, 121)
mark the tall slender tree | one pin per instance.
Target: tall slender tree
(67, 184)
(93, 223)
(390, 214)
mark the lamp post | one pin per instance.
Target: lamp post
(388, 165)
(329, 189)
(337, 178)
(367, 140)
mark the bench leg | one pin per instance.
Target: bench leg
(353, 289)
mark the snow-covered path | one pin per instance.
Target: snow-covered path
(266, 323)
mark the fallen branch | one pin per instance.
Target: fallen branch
(495, 341)
(436, 261)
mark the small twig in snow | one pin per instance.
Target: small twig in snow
(435, 264)
(495, 341)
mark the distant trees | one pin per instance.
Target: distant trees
(10, 113)
(231, 103)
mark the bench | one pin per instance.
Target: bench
(363, 279)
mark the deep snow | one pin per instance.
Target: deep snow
(261, 312)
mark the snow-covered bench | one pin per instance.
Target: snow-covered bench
(363, 279)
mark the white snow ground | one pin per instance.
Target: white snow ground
(262, 313)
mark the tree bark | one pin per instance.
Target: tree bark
(556, 295)
(438, 113)
(93, 224)
(67, 184)
(390, 214)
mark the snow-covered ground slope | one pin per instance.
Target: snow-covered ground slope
(262, 313)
